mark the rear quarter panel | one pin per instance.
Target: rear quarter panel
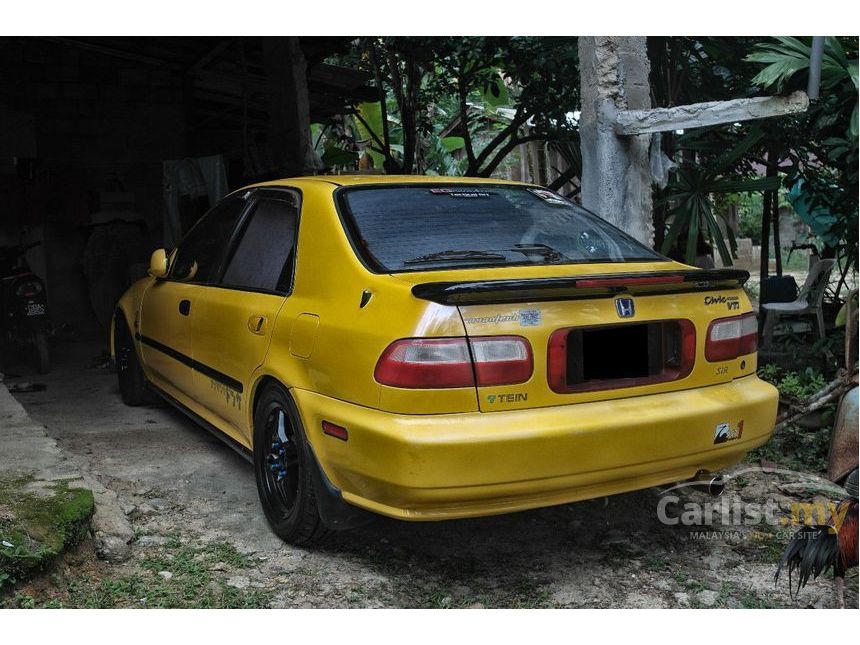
(339, 359)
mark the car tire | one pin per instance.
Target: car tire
(129, 373)
(283, 470)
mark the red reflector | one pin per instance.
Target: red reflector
(335, 431)
(629, 282)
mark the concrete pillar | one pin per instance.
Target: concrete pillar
(616, 176)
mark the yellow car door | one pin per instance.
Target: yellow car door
(234, 318)
(165, 336)
(169, 306)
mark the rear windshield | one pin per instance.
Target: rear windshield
(420, 228)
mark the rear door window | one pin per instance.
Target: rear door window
(421, 227)
(265, 255)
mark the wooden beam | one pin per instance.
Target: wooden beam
(108, 51)
(211, 55)
(699, 115)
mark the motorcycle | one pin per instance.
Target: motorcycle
(24, 318)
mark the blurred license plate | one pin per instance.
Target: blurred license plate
(35, 309)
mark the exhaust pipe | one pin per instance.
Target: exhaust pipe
(712, 484)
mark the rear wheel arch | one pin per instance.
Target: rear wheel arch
(327, 503)
(257, 389)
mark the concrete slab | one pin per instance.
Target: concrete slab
(30, 454)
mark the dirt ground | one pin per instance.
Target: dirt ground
(201, 538)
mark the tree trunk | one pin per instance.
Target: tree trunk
(765, 240)
(289, 134)
(777, 247)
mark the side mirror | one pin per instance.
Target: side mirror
(158, 264)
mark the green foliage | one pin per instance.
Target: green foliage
(749, 215)
(690, 193)
(796, 386)
(820, 145)
(795, 446)
(445, 99)
(788, 56)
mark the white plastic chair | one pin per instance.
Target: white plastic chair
(807, 303)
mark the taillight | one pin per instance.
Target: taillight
(28, 289)
(426, 363)
(729, 338)
(455, 362)
(501, 360)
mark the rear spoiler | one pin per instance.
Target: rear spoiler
(571, 288)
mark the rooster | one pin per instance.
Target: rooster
(815, 549)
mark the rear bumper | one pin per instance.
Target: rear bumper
(446, 466)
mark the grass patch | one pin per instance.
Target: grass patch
(768, 544)
(191, 585)
(228, 554)
(38, 526)
(519, 593)
(654, 563)
(183, 591)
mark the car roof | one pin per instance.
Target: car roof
(373, 179)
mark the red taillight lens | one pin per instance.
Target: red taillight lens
(426, 363)
(501, 360)
(448, 362)
(28, 289)
(629, 282)
(729, 338)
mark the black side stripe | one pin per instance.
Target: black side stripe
(204, 369)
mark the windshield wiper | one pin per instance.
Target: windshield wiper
(456, 255)
(549, 253)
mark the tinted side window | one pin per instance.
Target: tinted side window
(200, 252)
(265, 255)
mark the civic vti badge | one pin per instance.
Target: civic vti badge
(624, 307)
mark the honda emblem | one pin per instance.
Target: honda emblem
(624, 307)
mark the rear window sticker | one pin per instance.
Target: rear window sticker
(468, 193)
(548, 196)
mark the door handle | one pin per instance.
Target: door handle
(257, 325)
(185, 307)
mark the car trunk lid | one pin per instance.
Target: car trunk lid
(601, 335)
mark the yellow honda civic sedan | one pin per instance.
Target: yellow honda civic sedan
(430, 348)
